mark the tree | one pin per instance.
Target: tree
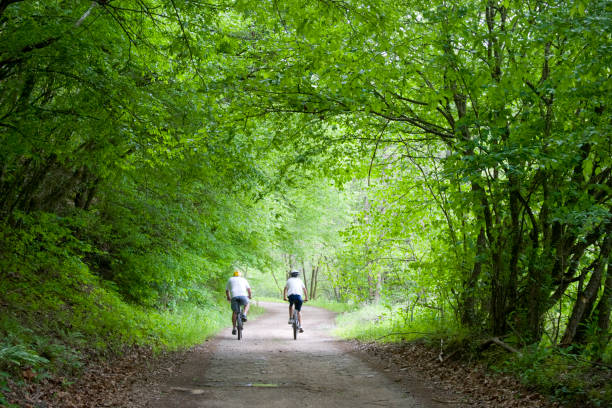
(492, 85)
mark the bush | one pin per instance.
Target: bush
(567, 377)
(57, 311)
(19, 356)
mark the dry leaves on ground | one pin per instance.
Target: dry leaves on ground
(474, 385)
(102, 384)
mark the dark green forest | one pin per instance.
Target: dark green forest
(444, 164)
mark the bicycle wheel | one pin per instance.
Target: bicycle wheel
(239, 326)
(295, 325)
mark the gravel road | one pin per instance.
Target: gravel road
(267, 368)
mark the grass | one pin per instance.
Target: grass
(385, 324)
(334, 306)
(187, 325)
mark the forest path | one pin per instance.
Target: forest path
(267, 368)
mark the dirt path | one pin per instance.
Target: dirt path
(270, 369)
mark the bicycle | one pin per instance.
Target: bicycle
(295, 323)
(239, 323)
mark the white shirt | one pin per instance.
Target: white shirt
(237, 286)
(295, 286)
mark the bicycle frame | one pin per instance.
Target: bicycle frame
(239, 322)
(296, 323)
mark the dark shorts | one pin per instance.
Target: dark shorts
(239, 301)
(297, 301)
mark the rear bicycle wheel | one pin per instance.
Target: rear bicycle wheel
(239, 326)
(295, 325)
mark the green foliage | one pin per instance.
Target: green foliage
(148, 148)
(54, 319)
(338, 307)
(393, 323)
(364, 323)
(569, 379)
(18, 355)
(186, 326)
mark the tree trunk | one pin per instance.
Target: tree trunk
(516, 241)
(467, 307)
(379, 284)
(499, 323)
(586, 297)
(314, 278)
(587, 316)
(304, 275)
(280, 289)
(603, 314)
(26, 194)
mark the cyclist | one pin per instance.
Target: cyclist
(238, 291)
(293, 292)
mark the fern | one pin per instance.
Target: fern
(19, 355)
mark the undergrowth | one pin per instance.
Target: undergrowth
(59, 343)
(392, 324)
(565, 376)
(58, 313)
(338, 307)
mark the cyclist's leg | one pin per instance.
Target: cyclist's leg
(235, 310)
(290, 309)
(298, 307)
(243, 307)
(246, 307)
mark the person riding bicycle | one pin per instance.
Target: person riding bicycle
(238, 291)
(293, 292)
